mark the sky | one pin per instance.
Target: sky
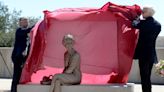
(36, 7)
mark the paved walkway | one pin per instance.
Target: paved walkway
(6, 83)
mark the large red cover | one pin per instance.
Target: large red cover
(104, 38)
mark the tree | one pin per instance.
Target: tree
(9, 24)
(4, 17)
(6, 36)
(33, 20)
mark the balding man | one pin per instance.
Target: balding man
(19, 53)
(149, 29)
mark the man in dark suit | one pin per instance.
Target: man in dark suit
(19, 53)
(149, 29)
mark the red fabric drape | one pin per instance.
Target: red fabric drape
(104, 38)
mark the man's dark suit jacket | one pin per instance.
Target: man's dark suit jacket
(20, 43)
(149, 30)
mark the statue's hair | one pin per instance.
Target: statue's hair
(150, 10)
(68, 36)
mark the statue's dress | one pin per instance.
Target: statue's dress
(71, 74)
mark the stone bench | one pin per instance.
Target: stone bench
(79, 88)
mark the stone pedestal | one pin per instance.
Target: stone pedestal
(78, 88)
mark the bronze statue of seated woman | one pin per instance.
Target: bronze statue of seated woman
(71, 74)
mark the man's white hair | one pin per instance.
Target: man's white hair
(23, 18)
(150, 10)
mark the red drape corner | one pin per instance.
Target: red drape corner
(104, 38)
